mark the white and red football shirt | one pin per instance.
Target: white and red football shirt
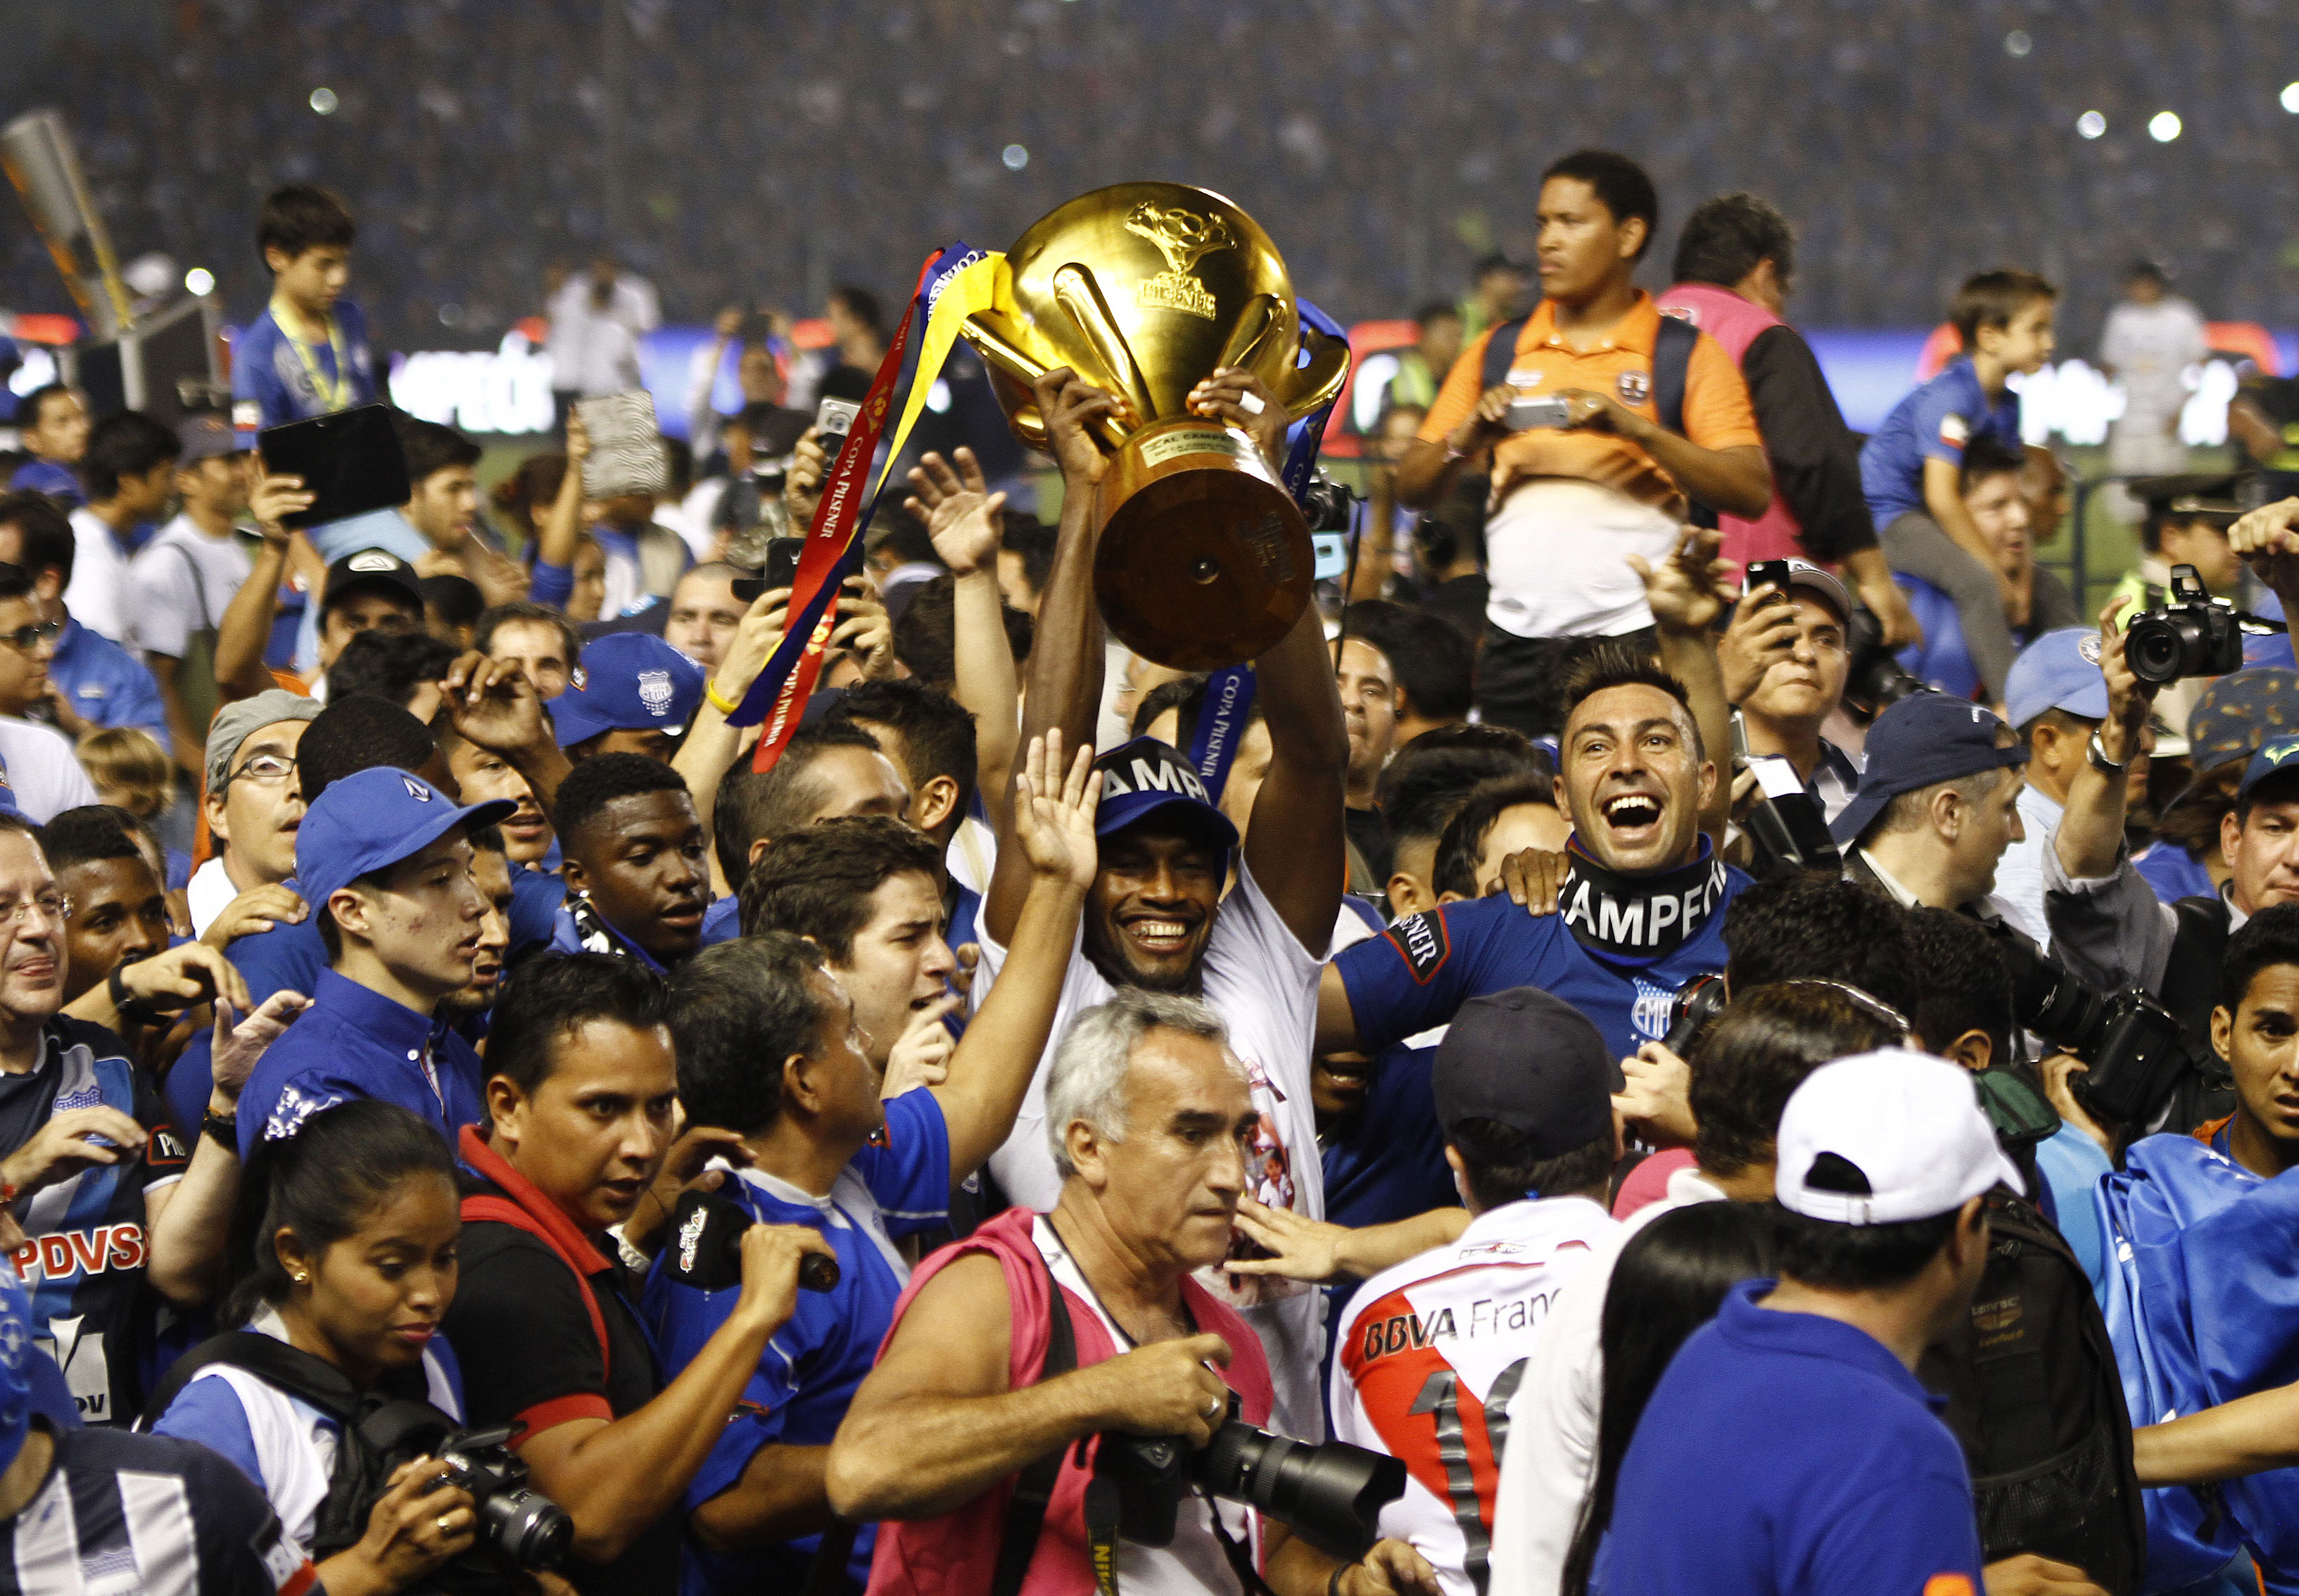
(1430, 1353)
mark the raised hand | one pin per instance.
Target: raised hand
(2268, 539)
(274, 498)
(1053, 818)
(1300, 1248)
(864, 630)
(240, 1041)
(493, 704)
(802, 484)
(1240, 398)
(1071, 406)
(1688, 591)
(961, 514)
(1761, 635)
(756, 637)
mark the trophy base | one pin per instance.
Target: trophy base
(1203, 560)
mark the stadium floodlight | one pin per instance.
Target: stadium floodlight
(324, 101)
(2091, 124)
(2164, 126)
(2291, 98)
(1015, 157)
(199, 280)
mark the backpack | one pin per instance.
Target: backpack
(382, 1428)
(1672, 350)
(2035, 1397)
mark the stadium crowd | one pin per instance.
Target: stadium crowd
(1290, 112)
(1703, 1031)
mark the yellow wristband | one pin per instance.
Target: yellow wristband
(718, 702)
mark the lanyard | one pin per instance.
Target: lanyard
(332, 396)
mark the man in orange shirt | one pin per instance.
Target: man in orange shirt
(1573, 504)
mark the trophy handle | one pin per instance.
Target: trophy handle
(1010, 359)
(1078, 292)
(1255, 324)
(1320, 382)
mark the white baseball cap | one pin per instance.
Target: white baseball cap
(1882, 1137)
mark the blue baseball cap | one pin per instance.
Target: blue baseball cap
(16, 1358)
(1924, 739)
(2273, 759)
(626, 681)
(1141, 778)
(2059, 670)
(375, 818)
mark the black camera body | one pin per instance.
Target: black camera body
(1327, 504)
(1331, 1495)
(515, 1520)
(1874, 681)
(2135, 1047)
(706, 1246)
(2190, 633)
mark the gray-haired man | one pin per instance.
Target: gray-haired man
(253, 802)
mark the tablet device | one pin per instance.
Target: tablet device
(351, 460)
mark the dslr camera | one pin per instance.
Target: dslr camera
(706, 1246)
(2190, 633)
(1327, 503)
(2135, 1046)
(515, 1520)
(1874, 681)
(1331, 1495)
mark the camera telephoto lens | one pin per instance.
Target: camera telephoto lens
(530, 1529)
(1329, 1495)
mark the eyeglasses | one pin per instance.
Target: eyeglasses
(265, 769)
(25, 639)
(55, 905)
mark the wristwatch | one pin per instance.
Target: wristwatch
(222, 1128)
(2097, 751)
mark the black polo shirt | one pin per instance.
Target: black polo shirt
(527, 1351)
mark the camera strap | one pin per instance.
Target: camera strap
(1034, 1488)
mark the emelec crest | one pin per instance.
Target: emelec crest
(1184, 238)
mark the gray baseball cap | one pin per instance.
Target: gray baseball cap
(242, 719)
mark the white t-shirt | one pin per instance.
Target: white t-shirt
(1557, 551)
(42, 771)
(208, 893)
(2019, 872)
(1264, 985)
(1432, 1351)
(1552, 1450)
(179, 583)
(1192, 1563)
(98, 593)
(2151, 347)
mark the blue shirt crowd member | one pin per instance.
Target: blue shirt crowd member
(277, 377)
(1641, 910)
(1842, 1476)
(157, 1514)
(812, 1367)
(394, 955)
(1937, 420)
(104, 684)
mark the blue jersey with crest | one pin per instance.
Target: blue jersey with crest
(1417, 974)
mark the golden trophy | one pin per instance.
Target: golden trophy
(1145, 290)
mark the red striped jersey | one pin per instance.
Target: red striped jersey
(1430, 1353)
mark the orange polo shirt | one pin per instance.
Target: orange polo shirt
(1717, 411)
